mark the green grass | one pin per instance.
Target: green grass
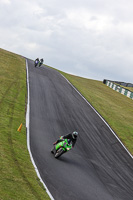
(129, 88)
(114, 107)
(18, 179)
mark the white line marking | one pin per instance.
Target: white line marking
(28, 134)
(100, 117)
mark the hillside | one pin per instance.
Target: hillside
(18, 178)
(116, 109)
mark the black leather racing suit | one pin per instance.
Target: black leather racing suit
(70, 139)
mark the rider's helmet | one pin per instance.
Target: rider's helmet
(74, 134)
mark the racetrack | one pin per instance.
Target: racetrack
(98, 168)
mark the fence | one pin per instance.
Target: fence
(118, 88)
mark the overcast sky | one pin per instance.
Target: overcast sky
(88, 38)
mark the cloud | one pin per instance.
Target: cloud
(87, 38)
(7, 2)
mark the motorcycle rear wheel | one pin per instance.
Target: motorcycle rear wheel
(52, 150)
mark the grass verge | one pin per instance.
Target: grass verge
(114, 107)
(18, 179)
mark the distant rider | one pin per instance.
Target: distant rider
(36, 62)
(72, 138)
(41, 62)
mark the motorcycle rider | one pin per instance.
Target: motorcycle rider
(36, 62)
(41, 62)
(72, 138)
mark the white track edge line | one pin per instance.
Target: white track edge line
(99, 116)
(28, 134)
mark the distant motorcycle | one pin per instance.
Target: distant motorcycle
(36, 62)
(41, 62)
(60, 148)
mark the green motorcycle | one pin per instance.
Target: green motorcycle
(62, 147)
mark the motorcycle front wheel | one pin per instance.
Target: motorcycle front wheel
(59, 153)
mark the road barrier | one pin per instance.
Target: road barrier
(118, 88)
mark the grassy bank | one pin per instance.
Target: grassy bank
(114, 107)
(18, 179)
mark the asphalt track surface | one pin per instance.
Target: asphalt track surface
(98, 168)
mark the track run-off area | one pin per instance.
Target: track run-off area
(98, 167)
